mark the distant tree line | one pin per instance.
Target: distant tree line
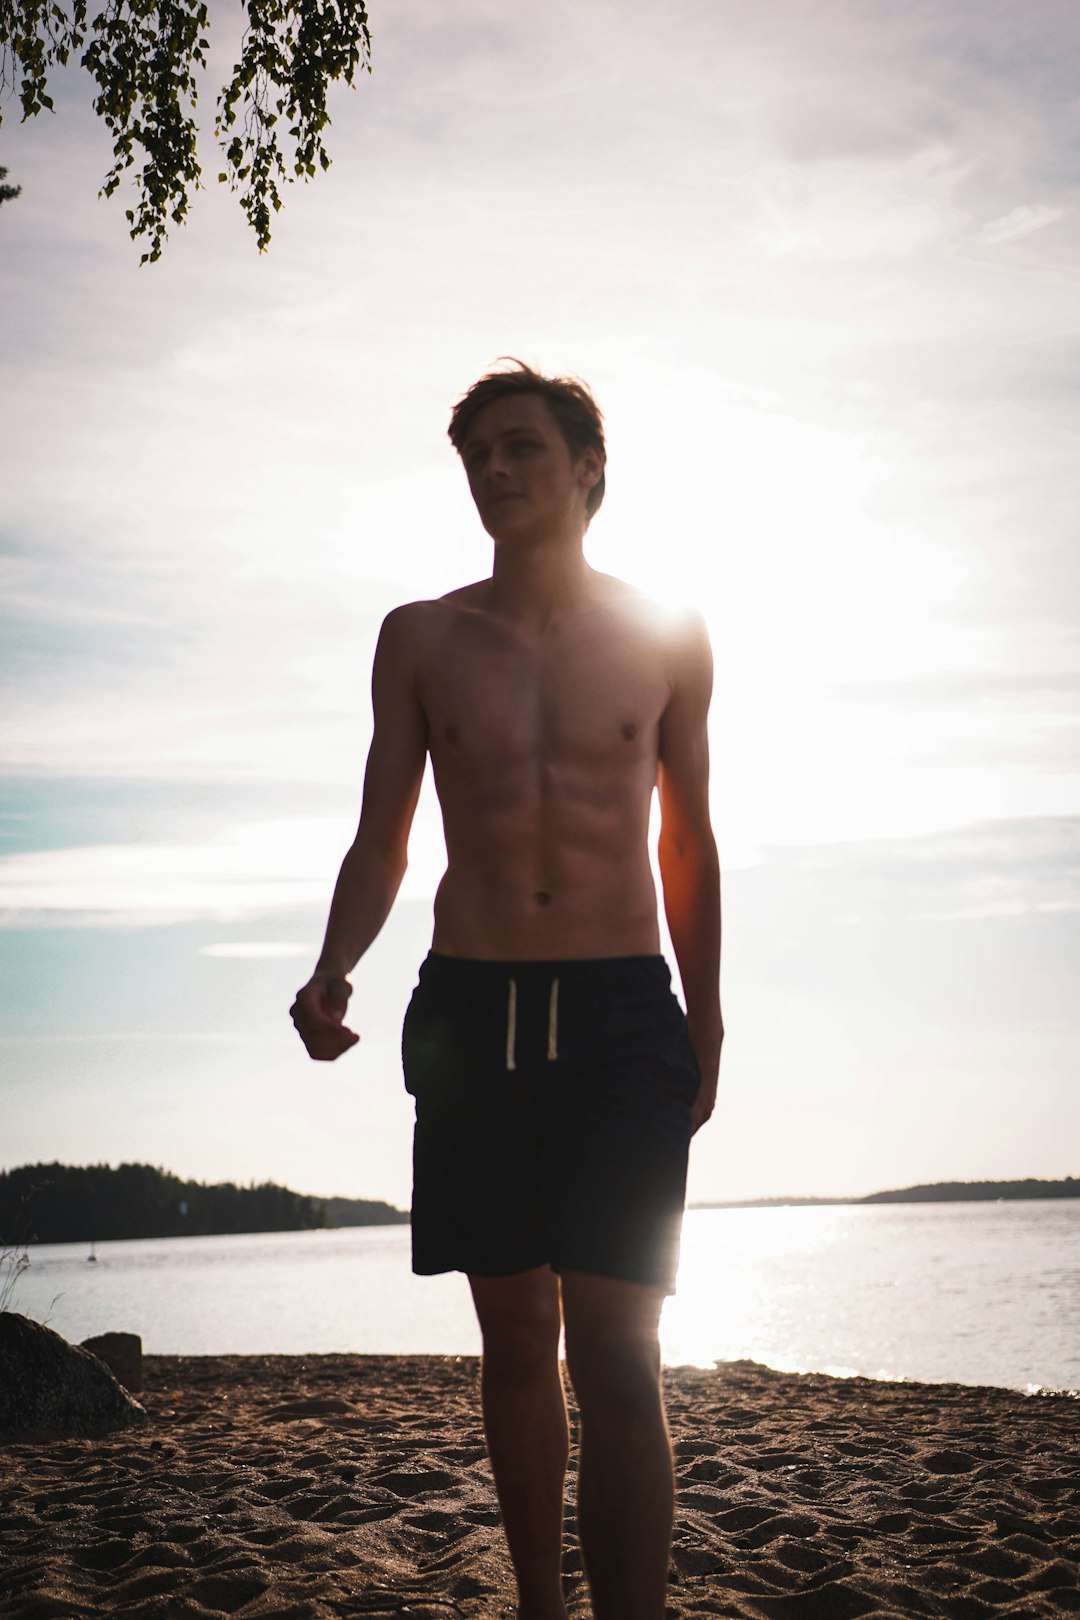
(934, 1192)
(60, 1203)
(363, 1212)
(971, 1191)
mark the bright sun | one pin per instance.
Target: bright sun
(768, 525)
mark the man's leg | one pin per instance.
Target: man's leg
(626, 1486)
(525, 1422)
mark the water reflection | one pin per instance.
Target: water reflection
(962, 1292)
(742, 1275)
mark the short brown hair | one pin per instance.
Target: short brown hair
(571, 404)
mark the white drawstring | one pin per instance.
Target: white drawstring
(511, 1025)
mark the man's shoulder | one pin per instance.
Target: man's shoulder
(415, 633)
(426, 614)
(431, 609)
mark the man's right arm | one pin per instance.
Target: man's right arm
(375, 863)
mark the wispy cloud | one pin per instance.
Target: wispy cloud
(255, 869)
(1020, 221)
(1030, 691)
(1024, 867)
(249, 870)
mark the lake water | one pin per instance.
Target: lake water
(966, 1293)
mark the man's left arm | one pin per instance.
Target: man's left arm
(689, 865)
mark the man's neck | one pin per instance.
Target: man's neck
(533, 584)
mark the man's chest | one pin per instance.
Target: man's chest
(573, 700)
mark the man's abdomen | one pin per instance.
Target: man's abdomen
(540, 915)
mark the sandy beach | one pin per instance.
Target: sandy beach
(290, 1487)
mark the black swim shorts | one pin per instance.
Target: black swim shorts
(553, 1117)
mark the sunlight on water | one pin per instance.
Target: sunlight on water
(977, 1294)
(954, 1292)
(726, 1304)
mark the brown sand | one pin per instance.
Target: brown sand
(295, 1486)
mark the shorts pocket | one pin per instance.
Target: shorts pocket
(418, 1050)
(439, 1057)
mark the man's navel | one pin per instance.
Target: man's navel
(542, 897)
(629, 730)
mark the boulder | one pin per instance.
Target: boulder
(50, 1387)
(122, 1354)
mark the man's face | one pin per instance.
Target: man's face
(522, 476)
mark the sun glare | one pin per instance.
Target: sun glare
(726, 1296)
(779, 531)
(734, 507)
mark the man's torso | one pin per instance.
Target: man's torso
(544, 747)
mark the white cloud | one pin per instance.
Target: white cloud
(1011, 869)
(1019, 222)
(1003, 909)
(255, 868)
(245, 871)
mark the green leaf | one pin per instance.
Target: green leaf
(145, 59)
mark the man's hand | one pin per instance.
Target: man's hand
(708, 1055)
(704, 1103)
(318, 1013)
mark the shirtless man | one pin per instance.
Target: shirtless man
(557, 1082)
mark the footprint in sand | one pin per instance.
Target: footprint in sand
(947, 1462)
(417, 1482)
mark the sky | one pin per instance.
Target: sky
(819, 263)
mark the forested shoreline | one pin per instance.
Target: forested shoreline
(933, 1192)
(59, 1203)
(942, 1192)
